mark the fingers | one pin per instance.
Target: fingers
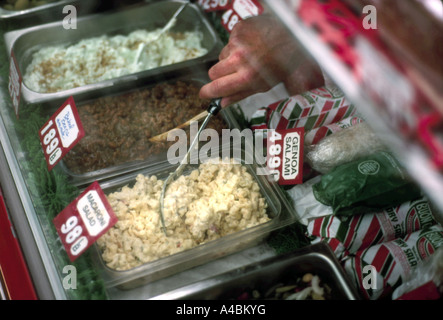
(221, 87)
(232, 63)
(224, 53)
(231, 88)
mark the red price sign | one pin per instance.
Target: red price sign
(285, 155)
(15, 83)
(83, 221)
(214, 5)
(60, 134)
(240, 10)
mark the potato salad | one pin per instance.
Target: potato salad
(217, 199)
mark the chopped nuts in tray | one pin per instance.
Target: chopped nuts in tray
(118, 128)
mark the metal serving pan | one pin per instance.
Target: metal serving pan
(279, 210)
(48, 12)
(88, 176)
(316, 259)
(23, 43)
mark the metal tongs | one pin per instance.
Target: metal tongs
(213, 109)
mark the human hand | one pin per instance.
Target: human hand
(260, 54)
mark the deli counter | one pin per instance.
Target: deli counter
(87, 88)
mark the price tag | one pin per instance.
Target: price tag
(15, 83)
(60, 134)
(284, 158)
(84, 220)
(214, 5)
(240, 10)
(247, 8)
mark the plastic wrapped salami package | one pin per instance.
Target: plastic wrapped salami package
(425, 282)
(348, 235)
(366, 185)
(380, 269)
(343, 146)
(304, 202)
(315, 135)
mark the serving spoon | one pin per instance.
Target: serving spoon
(166, 28)
(213, 109)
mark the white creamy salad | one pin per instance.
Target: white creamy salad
(92, 60)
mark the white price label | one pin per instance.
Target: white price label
(84, 220)
(285, 155)
(213, 5)
(72, 235)
(50, 142)
(240, 10)
(291, 156)
(67, 126)
(93, 212)
(246, 8)
(62, 131)
(274, 154)
(230, 19)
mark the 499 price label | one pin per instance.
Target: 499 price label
(60, 133)
(84, 220)
(285, 155)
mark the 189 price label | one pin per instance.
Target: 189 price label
(50, 143)
(60, 133)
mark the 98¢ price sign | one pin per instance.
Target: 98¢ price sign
(84, 220)
(60, 133)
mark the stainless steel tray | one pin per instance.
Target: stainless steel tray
(85, 178)
(49, 12)
(316, 259)
(23, 43)
(279, 210)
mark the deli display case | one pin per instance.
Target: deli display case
(83, 99)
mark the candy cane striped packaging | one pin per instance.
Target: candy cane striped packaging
(380, 269)
(359, 232)
(425, 282)
(310, 110)
(337, 247)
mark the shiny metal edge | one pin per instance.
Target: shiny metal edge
(5, 14)
(32, 97)
(24, 218)
(133, 278)
(320, 250)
